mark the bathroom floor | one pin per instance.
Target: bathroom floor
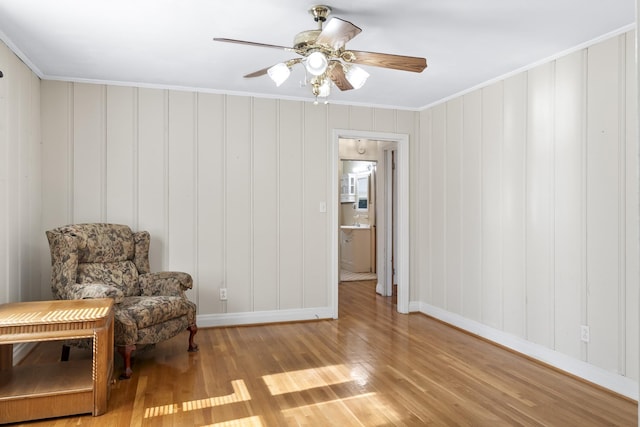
(348, 276)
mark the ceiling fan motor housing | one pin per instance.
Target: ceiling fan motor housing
(320, 12)
(305, 39)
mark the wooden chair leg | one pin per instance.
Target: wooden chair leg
(64, 357)
(193, 330)
(125, 351)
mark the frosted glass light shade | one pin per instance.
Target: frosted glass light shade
(279, 73)
(316, 63)
(356, 76)
(325, 89)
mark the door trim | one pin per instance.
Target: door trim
(402, 164)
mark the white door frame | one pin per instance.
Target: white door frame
(402, 164)
(386, 288)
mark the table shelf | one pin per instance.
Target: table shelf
(43, 380)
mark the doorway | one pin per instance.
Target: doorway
(357, 210)
(399, 145)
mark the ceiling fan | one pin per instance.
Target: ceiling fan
(325, 57)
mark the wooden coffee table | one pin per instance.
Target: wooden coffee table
(62, 388)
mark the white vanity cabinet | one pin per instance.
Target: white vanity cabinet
(355, 249)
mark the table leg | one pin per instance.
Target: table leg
(102, 366)
(6, 356)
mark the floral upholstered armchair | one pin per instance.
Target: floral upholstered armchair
(111, 261)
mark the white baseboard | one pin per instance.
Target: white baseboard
(612, 381)
(260, 317)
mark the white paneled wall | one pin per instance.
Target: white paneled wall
(531, 199)
(229, 187)
(20, 190)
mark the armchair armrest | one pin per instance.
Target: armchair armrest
(96, 290)
(167, 283)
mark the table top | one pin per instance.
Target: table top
(54, 312)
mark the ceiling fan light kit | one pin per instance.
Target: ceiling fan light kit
(279, 73)
(316, 63)
(357, 76)
(326, 59)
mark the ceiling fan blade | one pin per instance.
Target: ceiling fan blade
(257, 73)
(290, 63)
(387, 60)
(289, 49)
(336, 73)
(337, 32)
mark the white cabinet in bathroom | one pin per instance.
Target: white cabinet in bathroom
(355, 249)
(348, 188)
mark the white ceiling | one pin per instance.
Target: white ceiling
(168, 43)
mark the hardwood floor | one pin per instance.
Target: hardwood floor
(372, 367)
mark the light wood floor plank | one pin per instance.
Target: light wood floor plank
(371, 367)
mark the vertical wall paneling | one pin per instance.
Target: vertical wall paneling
(438, 206)
(492, 135)
(453, 167)
(182, 184)
(211, 207)
(338, 116)
(472, 206)
(361, 118)
(238, 203)
(121, 176)
(29, 184)
(422, 206)
(384, 120)
(21, 238)
(22, 143)
(539, 224)
(57, 148)
(632, 234)
(89, 153)
(622, 285)
(265, 204)
(513, 204)
(568, 200)
(152, 191)
(549, 207)
(229, 187)
(36, 247)
(16, 190)
(291, 210)
(603, 203)
(5, 55)
(315, 140)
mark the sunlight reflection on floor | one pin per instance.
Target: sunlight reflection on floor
(305, 379)
(240, 394)
(368, 405)
(241, 422)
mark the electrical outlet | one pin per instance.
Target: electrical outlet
(584, 333)
(223, 294)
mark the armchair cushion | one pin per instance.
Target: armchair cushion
(149, 311)
(122, 275)
(96, 290)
